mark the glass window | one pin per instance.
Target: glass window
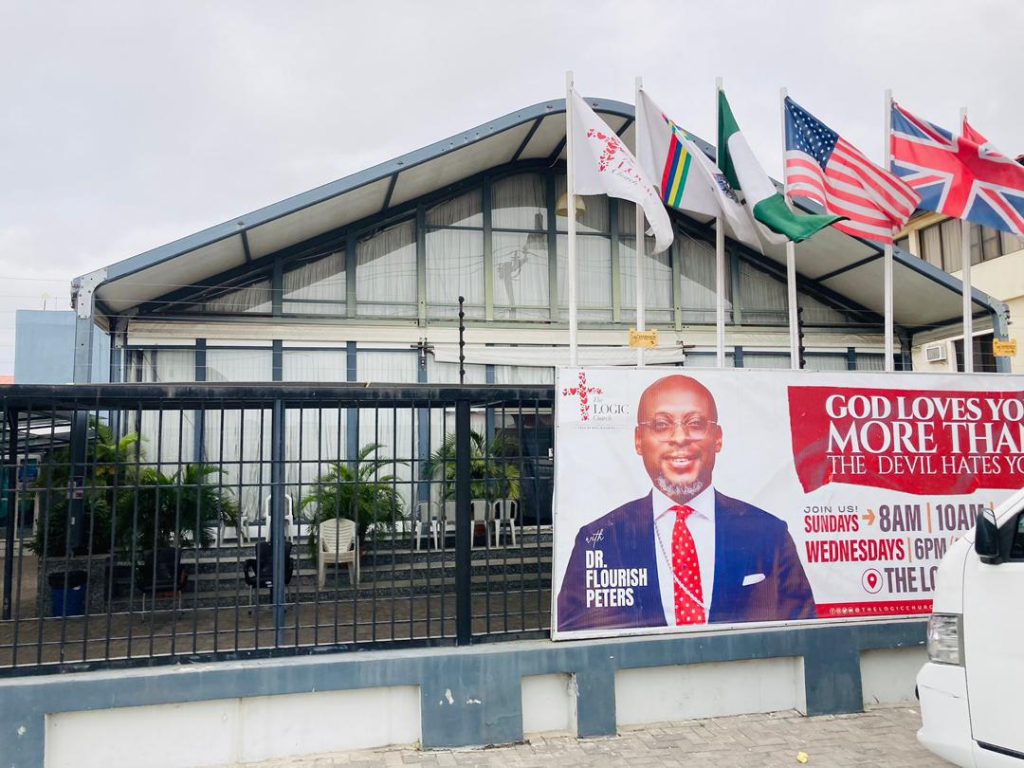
(766, 360)
(697, 285)
(316, 287)
(595, 216)
(594, 277)
(1010, 243)
(254, 298)
(386, 283)
(984, 358)
(903, 244)
(657, 272)
(870, 362)
(249, 364)
(455, 267)
(463, 211)
(448, 373)
(519, 202)
(520, 276)
(826, 361)
(322, 365)
(522, 374)
(162, 365)
(930, 240)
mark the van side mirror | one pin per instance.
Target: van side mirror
(986, 538)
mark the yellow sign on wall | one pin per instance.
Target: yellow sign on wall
(1004, 348)
(643, 339)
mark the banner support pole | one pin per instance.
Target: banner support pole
(570, 198)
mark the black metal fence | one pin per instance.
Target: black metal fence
(148, 523)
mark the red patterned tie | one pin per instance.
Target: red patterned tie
(686, 569)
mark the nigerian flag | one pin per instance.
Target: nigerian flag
(749, 180)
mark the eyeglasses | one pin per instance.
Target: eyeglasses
(694, 427)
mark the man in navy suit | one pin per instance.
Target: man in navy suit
(684, 553)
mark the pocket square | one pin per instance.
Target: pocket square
(753, 578)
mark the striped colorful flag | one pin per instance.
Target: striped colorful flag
(822, 166)
(686, 178)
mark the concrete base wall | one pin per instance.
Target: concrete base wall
(230, 712)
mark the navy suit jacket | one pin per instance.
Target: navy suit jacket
(749, 543)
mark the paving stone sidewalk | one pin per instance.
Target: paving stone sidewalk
(882, 736)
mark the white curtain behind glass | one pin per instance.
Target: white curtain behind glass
(765, 360)
(509, 374)
(697, 265)
(315, 437)
(657, 272)
(594, 271)
(455, 267)
(386, 282)
(316, 287)
(167, 438)
(393, 429)
(520, 276)
(763, 297)
(519, 202)
(442, 421)
(822, 362)
(869, 362)
(251, 299)
(236, 441)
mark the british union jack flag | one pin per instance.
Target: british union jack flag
(960, 176)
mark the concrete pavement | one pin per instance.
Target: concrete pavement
(882, 736)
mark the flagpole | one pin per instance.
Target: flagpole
(965, 278)
(791, 297)
(570, 198)
(641, 241)
(719, 260)
(889, 362)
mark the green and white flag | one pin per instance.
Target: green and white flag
(749, 180)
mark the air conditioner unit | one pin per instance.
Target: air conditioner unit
(935, 353)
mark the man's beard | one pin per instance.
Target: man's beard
(680, 493)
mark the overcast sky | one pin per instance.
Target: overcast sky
(126, 125)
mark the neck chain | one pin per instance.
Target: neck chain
(672, 570)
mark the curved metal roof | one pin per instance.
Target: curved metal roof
(925, 295)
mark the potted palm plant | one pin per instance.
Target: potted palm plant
(357, 490)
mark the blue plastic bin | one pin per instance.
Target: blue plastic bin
(67, 593)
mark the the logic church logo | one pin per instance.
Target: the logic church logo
(583, 392)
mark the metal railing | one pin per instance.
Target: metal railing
(152, 523)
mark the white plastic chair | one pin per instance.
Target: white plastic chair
(289, 518)
(423, 517)
(505, 511)
(440, 525)
(338, 544)
(481, 510)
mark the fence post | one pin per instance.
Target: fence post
(463, 526)
(277, 523)
(11, 473)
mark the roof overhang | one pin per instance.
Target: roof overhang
(925, 296)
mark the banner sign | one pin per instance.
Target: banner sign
(726, 497)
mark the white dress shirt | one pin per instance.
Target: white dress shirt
(701, 523)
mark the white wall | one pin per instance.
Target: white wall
(660, 694)
(230, 731)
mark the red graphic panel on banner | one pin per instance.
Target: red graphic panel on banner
(914, 441)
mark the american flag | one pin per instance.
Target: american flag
(960, 176)
(823, 166)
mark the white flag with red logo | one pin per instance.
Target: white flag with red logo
(604, 166)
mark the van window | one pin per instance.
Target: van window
(1017, 547)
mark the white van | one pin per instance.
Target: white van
(972, 688)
